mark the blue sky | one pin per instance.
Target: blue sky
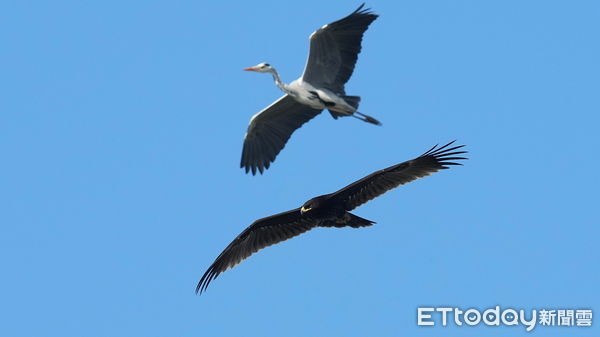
(121, 128)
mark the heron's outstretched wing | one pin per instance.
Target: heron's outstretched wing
(262, 233)
(270, 129)
(377, 183)
(334, 49)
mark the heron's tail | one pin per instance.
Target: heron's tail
(352, 100)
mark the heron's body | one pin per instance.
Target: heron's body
(318, 98)
(334, 49)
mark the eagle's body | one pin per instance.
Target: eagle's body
(329, 210)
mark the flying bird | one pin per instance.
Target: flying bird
(334, 49)
(329, 210)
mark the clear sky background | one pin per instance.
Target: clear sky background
(121, 126)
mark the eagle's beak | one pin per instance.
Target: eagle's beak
(304, 209)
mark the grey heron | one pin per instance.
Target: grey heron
(329, 210)
(334, 49)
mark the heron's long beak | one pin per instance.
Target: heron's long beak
(250, 69)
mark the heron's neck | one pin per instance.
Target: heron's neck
(278, 81)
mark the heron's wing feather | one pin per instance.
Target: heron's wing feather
(270, 129)
(334, 49)
(377, 183)
(262, 233)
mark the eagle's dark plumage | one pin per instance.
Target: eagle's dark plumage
(329, 210)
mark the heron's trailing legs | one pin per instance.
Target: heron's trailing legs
(365, 118)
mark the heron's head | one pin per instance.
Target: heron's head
(260, 68)
(311, 205)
